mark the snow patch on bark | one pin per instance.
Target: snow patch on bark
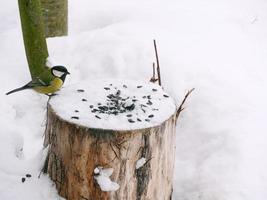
(102, 177)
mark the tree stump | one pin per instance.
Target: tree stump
(111, 140)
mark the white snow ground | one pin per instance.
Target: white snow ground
(218, 47)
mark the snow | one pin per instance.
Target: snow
(114, 104)
(140, 163)
(215, 46)
(50, 62)
(103, 180)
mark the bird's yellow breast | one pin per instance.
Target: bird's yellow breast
(54, 86)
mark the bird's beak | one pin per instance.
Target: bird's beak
(68, 73)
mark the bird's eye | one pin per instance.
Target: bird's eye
(57, 73)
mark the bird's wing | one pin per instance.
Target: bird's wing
(37, 82)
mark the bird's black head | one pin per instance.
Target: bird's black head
(59, 71)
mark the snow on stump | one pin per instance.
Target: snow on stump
(111, 139)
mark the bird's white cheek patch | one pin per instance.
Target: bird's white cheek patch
(57, 73)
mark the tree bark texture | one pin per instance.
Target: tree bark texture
(75, 151)
(55, 14)
(34, 39)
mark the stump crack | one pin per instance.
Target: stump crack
(143, 173)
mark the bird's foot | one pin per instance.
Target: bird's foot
(51, 95)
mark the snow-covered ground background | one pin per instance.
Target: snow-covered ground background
(218, 47)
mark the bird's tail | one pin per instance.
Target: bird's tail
(18, 89)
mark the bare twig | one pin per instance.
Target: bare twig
(153, 79)
(157, 59)
(181, 108)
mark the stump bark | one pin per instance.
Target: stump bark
(75, 151)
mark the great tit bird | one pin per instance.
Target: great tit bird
(59, 74)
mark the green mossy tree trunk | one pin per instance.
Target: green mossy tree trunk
(55, 14)
(34, 38)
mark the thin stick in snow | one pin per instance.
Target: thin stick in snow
(157, 58)
(180, 108)
(153, 79)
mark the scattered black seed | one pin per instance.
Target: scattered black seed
(139, 120)
(84, 99)
(131, 107)
(103, 108)
(165, 95)
(28, 175)
(155, 109)
(149, 102)
(99, 104)
(144, 97)
(110, 84)
(129, 115)
(106, 88)
(154, 90)
(148, 120)
(94, 110)
(118, 93)
(143, 105)
(97, 117)
(148, 96)
(134, 100)
(125, 99)
(143, 110)
(131, 121)
(76, 111)
(150, 116)
(74, 117)
(139, 86)
(125, 86)
(23, 180)
(91, 106)
(80, 90)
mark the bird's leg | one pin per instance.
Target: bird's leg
(51, 95)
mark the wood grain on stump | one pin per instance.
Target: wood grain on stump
(76, 151)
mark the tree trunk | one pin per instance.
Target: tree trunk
(55, 13)
(34, 39)
(77, 153)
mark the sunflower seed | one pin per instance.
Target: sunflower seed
(28, 175)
